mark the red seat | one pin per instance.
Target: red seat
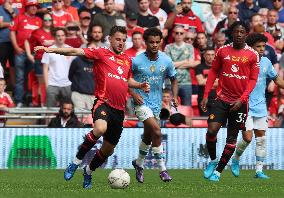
(194, 101)
(185, 110)
(199, 123)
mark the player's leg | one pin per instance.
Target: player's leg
(217, 115)
(236, 121)
(143, 113)
(260, 148)
(242, 145)
(111, 139)
(100, 126)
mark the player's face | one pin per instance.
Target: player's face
(67, 109)
(239, 35)
(259, 47)
(117, 42)
(153, 44)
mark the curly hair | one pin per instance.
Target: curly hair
(153, 31)
(254, 38)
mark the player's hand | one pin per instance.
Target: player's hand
(236, 105)
(38, 48)
(145, 86)
(203, 104)
(137, 99)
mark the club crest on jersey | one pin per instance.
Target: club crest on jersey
(152, 68)
(103, 113)
(244, 59)
(235, 68)
(127, 63)
(119, 70)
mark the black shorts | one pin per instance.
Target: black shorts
(113, 117)
(219, 112)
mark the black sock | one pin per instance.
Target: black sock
(226, 156)
(211, 140)
(89, 142)
(98, 160)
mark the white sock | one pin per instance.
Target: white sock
(159, 156)
(77, 161)
(88, 170)
(143, 151)
(241, 147)
(260, 152)
(217, 173)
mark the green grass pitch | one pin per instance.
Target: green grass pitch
(187, 183)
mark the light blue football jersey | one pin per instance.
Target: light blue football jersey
(257, 100)
(155, 73)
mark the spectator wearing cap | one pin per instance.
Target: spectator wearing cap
(138, 45)
(91, 7)
(158, 12)
(59, 16)
(109, 17)
(7, 13)
(247, 9)
(184, 16)
(21, 30)
(118, 5)
(71, 10)
(145, 19)
(131, 26)
(85, 20)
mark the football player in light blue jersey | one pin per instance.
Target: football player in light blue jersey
(153, 67)
(257, 115)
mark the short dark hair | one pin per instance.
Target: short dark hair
(153, 31)
(209, 48)
(56, 29)
(66, 100)
(254, 38)
(116, 29)
(90, 29)
(239, 23)
(136, 32)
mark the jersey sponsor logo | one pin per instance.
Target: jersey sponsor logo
(234, 76)
(116, 77)
(31, 27)
(235, 68)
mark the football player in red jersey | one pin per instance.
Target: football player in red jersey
(237, 65)
(113, 77)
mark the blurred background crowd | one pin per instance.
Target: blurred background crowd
(192, 29)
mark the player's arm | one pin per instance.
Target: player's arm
(174, 86)
(279, 81)
(137, 85)
(63, 51)
(136, 97)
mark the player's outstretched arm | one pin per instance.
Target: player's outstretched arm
(137, 85)
(63, 51)
(279, 81)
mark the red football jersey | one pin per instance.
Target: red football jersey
(238, 72)
(40, 37)
(6, 100)
(61, 20)
(111, 73)
(23, 25)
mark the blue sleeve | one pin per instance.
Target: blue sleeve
(133, 67)
(271, 72)
(171, 71)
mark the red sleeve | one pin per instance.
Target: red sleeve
(254, 71)
(199, 25)
(32, 40)
(92, 53)
(212, 74)
(10, 102)
(14, 25)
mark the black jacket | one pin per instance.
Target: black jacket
(72, 123)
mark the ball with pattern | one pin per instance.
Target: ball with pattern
(118, 179)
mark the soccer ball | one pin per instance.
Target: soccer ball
(118, 179)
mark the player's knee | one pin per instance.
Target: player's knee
(156, 133)
(100, 127)
(247, 139)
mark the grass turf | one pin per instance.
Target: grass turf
(187, 183)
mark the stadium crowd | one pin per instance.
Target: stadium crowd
(192, 29)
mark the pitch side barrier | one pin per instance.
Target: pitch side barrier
(184, 148)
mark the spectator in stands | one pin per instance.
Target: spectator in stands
(278, 6)
(229, 4)
(155, 10)
(201, 42)
(85, 20)
(39, 37)
(74, 36)
(71, 10)
(1, 71)
(219, 40)
(144, 19)
(265, 3)
(201, 72)
(273, 27)
(247, 9)
(131, 6)
(7, 13)
(91, 7)
(263, 12)
(109, 17)
(55, 70)
(82, 78)
(21, 30)
(20, 5)
(95, 35)
(118, 5)
(59, 16)
(183, 15)
(223, 25)
(182, 55)
(138, 45)
(5, 101)
(131, 26)
(212, 19)
(66, 117)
